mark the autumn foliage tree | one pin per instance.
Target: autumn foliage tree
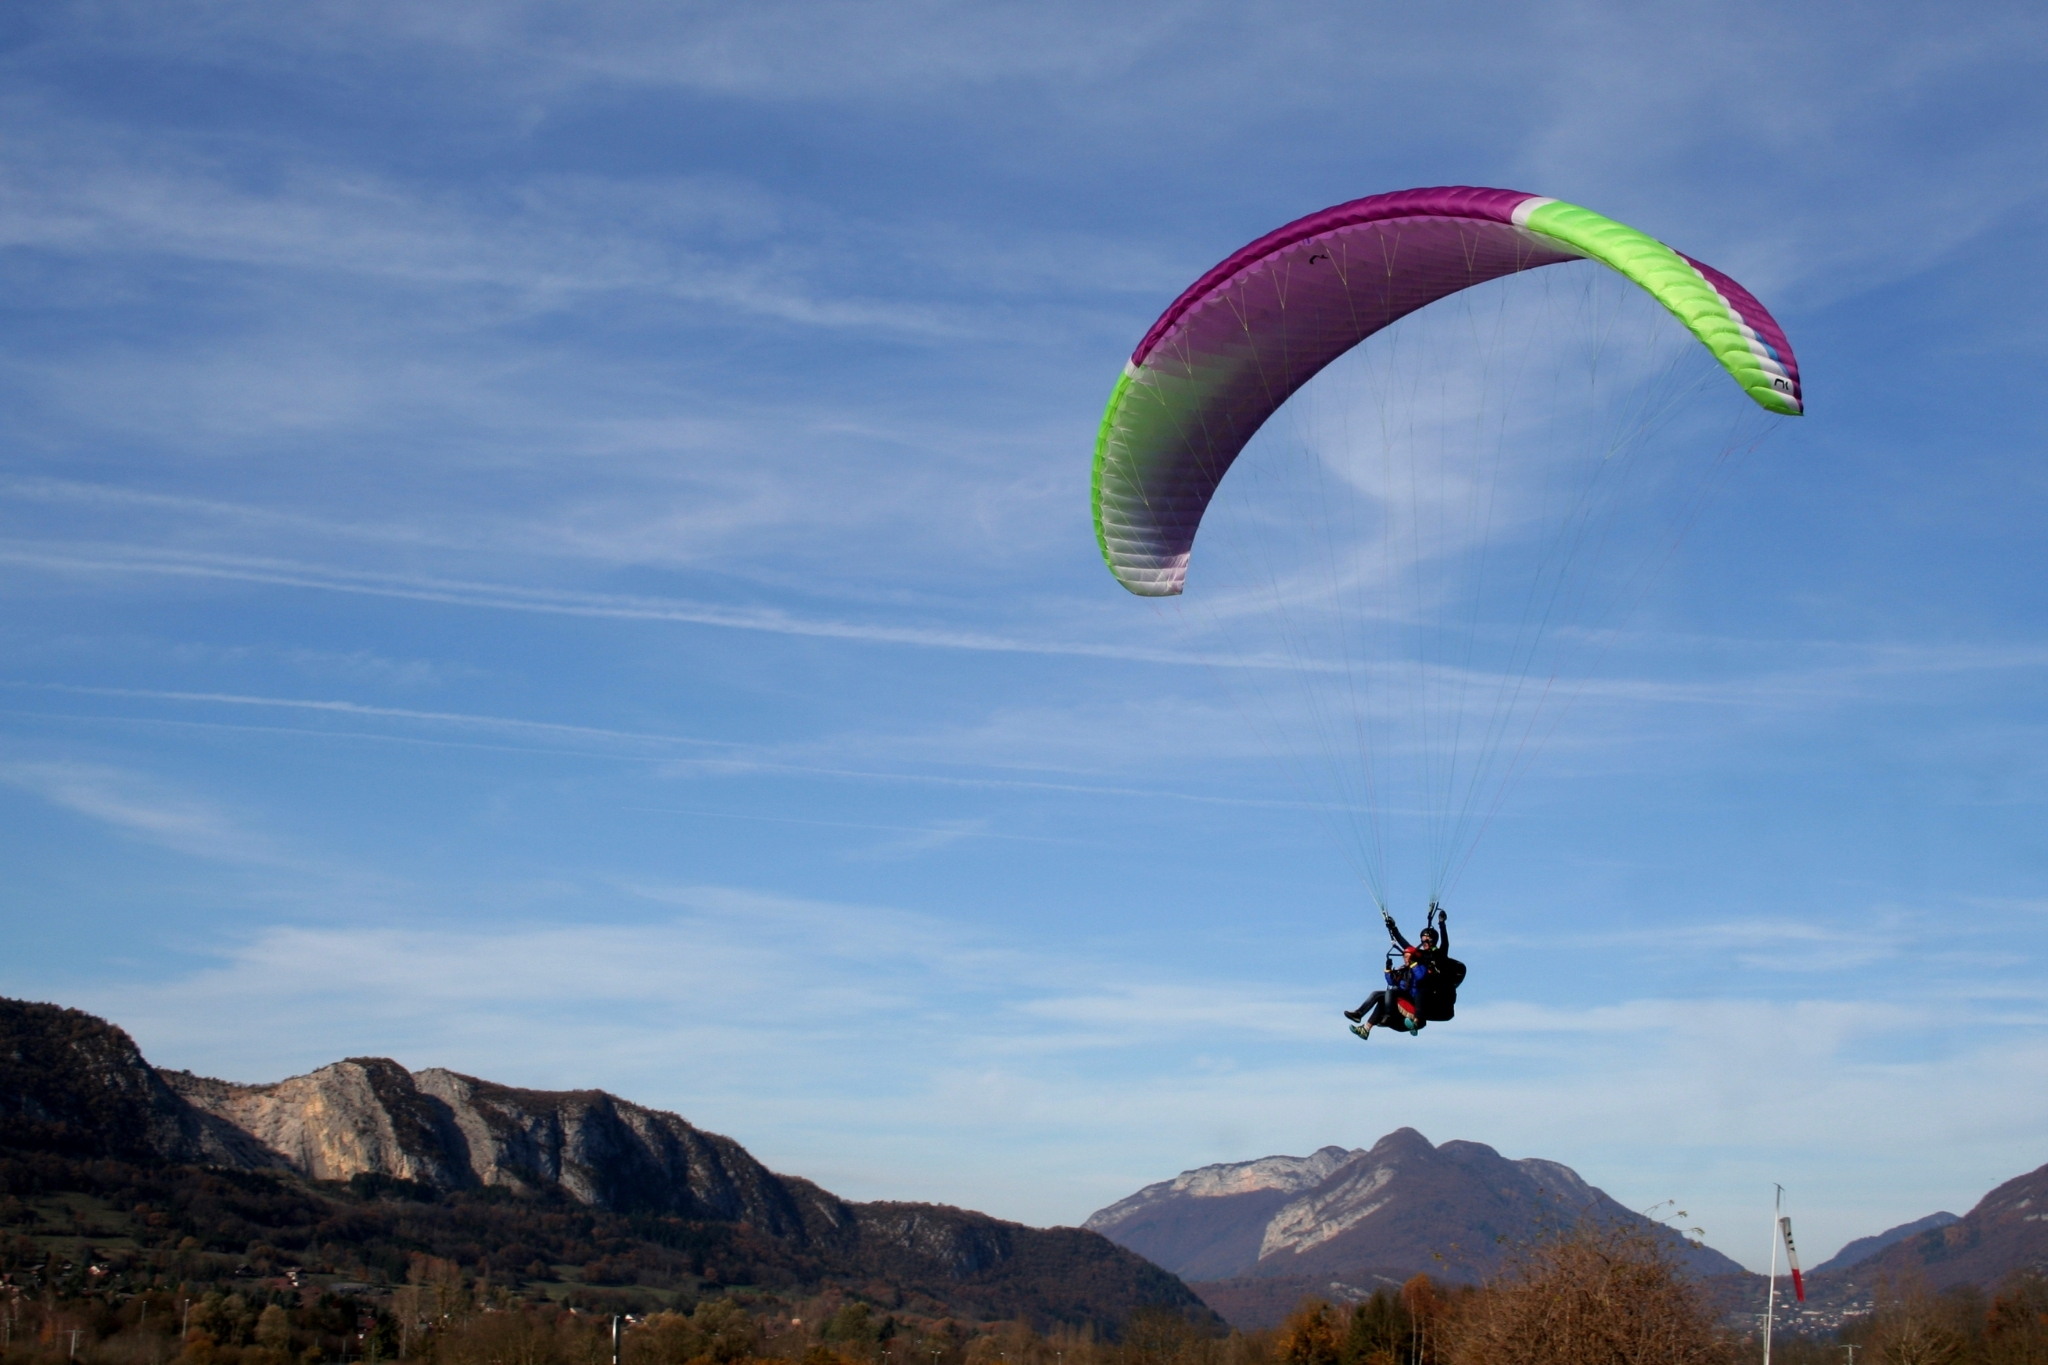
(1309, 1336)
(1913, 1325)
(1596, 1295)
(2016, 1326)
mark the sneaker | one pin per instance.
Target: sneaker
(1355, 1015)
(1412, 1024)
(1362, 1030)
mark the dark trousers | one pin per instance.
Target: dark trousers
(1379, 1008)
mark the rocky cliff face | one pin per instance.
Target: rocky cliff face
(1212, 1222)
(1361, 1216)
(362, 1115)
(369, 1115)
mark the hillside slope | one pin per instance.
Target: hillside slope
(2006, 1231)
(1863, 1248)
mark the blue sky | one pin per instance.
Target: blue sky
(553, 541)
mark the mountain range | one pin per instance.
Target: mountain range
(401, 1160)
(354, 1168)
(1253, 1237)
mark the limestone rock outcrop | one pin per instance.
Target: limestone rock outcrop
(438, 1128)
(361, 1115)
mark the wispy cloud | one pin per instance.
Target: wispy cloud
(1799, 108)
(460, 719)
(921, 838)
(1782, 945)
(1778, 226)
(1866, 659)
(124, 500)
(118, 560)
(557, 239)
(145, 808)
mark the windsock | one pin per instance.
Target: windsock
(1792, 1257)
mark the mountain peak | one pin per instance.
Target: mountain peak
(1402, 1140)
(1359, 1217)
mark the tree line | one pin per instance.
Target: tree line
(1591, 1295)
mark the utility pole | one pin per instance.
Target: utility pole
(1852, 1354)
(1771, 1301)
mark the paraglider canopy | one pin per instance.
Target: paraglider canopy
(1253, 330)
(1474, 467)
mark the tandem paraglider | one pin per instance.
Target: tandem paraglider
(1422, 984)
(1421, 559)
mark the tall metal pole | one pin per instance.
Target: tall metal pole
(615, 1339)
(1771, 1302)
